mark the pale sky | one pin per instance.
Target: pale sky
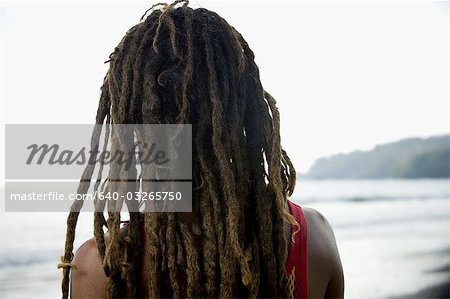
(346, 75)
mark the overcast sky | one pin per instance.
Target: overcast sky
(346, 75)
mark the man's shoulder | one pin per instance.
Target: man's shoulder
(318, 222)
(320, 233)
(323, 252)
(88, 248)
(87, 278)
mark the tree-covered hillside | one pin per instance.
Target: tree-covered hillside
(407, 158)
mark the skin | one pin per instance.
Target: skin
(326, 278)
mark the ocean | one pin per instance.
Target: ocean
(393, 237)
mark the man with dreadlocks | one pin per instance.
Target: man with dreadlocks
(244, 238)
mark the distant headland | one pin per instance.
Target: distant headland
(407, 158)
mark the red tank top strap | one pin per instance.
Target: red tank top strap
(297, 262)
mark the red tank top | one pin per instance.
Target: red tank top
(297, 262)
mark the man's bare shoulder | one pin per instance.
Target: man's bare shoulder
(318, 225)
(87, 277)
(324, 260)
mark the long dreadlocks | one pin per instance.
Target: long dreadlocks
(184, 65)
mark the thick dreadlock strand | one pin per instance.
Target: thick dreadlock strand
(172, 254)
(274, 183)
(227, 176)
(188, 72)
(209, 247)
(138, 68)
(171, 25)
(193, 270)
(99, 218)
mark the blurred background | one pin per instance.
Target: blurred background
(362, 88)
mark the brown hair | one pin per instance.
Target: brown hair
(184, 65)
